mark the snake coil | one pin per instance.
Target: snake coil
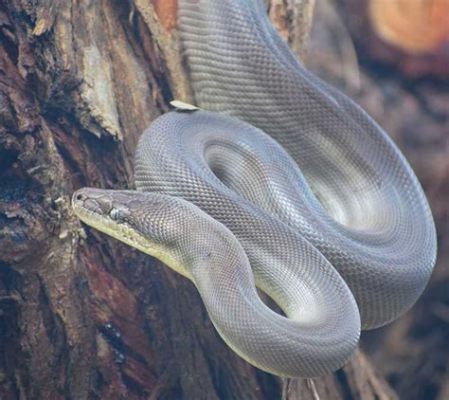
(335, 228)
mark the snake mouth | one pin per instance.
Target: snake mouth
(106, 211)
(95, 208)
(89, 211)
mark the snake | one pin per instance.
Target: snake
(278, 187)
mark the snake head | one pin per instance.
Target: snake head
(102, 204)
(129, 216)
(149, 222)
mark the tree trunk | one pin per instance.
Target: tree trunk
(83, 316)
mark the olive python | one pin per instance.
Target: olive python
(283, 184)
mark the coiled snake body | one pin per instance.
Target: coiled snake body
(336, 230)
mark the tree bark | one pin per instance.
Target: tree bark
(83, 316)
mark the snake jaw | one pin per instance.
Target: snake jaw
(102, 210)
(131, 217)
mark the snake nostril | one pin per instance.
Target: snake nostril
(79, 197)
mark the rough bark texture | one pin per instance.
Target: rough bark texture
(81, 315)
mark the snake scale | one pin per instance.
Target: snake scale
(284, 183)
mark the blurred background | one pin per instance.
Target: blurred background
(392, 57)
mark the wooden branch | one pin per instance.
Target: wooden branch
(293, 21)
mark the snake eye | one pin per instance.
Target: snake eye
(119, 214)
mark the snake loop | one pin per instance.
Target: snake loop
(335, 228)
